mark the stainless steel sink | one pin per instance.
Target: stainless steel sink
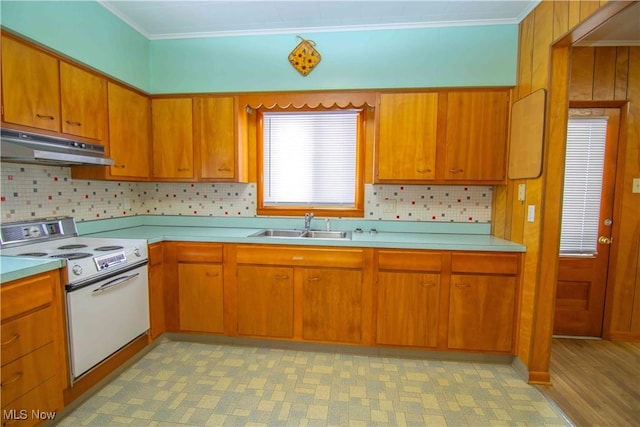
(315, 234)
(271, 232)
(310, 234)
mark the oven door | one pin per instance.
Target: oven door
(105, 316)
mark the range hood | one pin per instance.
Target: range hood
(25, 147)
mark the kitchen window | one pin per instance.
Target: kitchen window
(309, 161)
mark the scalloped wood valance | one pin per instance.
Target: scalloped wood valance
(309, 100)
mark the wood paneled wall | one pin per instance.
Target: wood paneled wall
(549, 22)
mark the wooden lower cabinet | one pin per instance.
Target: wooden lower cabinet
(332, 304)
(32, 349)
(482, 305)
(201, 297)
(408, 308)
(265, 301)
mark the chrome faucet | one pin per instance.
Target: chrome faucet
(307, 221)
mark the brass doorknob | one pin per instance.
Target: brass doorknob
(605, 240)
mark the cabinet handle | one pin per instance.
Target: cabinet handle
(313, 279)
(428, 284)
(72, 123)
(282, 276)
(183, 169)
(212, 274)
(298, 258)
(224, 169)
(423, 170)
(119, 166)
(44, 116)
(12, 380)
(456, 170)
(12, 339)
(463, 285)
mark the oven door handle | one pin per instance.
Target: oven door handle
(116, 282)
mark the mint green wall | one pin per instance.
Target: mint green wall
(85, 31)
(428, 57)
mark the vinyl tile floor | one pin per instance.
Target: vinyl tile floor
(182, 383)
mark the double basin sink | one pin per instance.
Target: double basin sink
(305, 234)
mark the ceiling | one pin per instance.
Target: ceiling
(211, 18)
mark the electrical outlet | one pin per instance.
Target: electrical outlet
(636, 185)
(522, 192)
(127, 203)
(531, 213)
(389, 206)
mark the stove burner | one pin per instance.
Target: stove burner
(72, 255)
(76, 246)
(33, 254)
(108, 248)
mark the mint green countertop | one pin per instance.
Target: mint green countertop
(390, 234)
(12, 268)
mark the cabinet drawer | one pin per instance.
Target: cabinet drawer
(409, 260)
(506, 264)
(25, 334)
(155, 254)
(25, 373)
(198, 252)
(269, 255)
(42, 400)
(23, 295)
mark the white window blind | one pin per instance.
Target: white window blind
(586, 138)
(310, 158)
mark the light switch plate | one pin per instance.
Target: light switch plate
(522, 191)
(531, 213)
(636, 185)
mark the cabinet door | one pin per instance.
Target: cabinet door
(265, 301)
(407, 309)
(200, 293)
(406, 147)
(218, 145)
(84, 102)
(476, 136)
(129, 142)
(481, 312)
(30, 86)
(332, 305)
(172, 125)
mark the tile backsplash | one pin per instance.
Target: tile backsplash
(36, 191)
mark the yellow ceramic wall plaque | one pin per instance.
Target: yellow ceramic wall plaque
(304, 57)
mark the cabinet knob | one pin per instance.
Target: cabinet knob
(208, 274)
(423, 170)
(11, 380)
(183, 169)
(72, 123)
(119, 166)
(45, 116)
(313, 279)
(224, 169)
(282, 276)
(463, 285)
(456, 170)
(428, 284)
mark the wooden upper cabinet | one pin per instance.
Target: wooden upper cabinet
(219, 145)
(30, 86)
(84, 102)
(129, 124)
(476, 135)
(407, 131)
(172, 129)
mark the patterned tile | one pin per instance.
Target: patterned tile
(32, 191)
(194, 384)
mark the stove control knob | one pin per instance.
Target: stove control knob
(77, 270)
(136, 252)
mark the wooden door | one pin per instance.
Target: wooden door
(406, 148)
(129, 126)
(407, 310)
(476, 135)
(265, 301)
(582, 279)
(332, 304)
(481, 312)
(84, 102)
(172, 136)
(30, 86)
(200, 294)
(218, 145)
